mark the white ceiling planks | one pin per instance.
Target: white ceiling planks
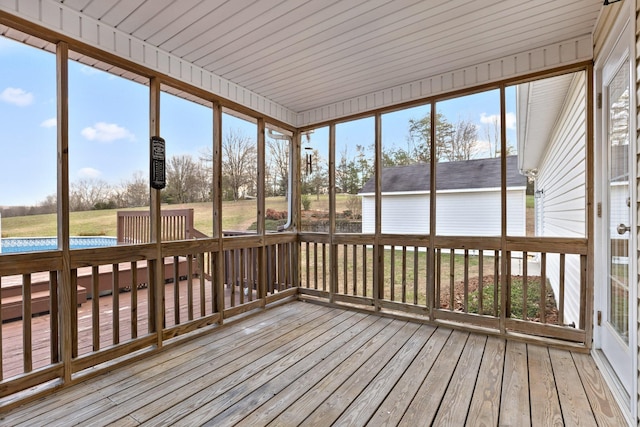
(318, 58)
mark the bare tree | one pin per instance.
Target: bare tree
(185, 180)
(278, 165)
(85, 194)
(492, 134)
(239, 162)
(135, 191)
(463, 141)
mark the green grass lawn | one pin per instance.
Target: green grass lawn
(239, 215)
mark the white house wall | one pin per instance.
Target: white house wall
(562, 182)
(473, 213)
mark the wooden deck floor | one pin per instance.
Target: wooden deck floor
(306, 364)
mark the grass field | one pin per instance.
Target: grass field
(235, 216)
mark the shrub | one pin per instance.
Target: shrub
(306, 202)
(275, 215)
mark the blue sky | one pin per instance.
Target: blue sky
(108, 124)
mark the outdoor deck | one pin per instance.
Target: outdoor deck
(303, 363)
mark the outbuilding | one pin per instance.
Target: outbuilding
(468, 199)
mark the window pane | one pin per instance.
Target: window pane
(108, 152)
(315, 181)
(187, 128)
(468, 172)
(406, 171)
(29, 149)
(355, 198)
(551, 123)
(239, 175)
(277, 170)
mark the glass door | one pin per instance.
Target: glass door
(616, 315)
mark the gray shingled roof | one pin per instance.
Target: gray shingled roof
(469, 174)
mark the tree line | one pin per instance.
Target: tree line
(189, 178)
(455, 141)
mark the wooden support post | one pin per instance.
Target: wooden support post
(261, 206)
(64, 275)
(504, 280)
(156, 287)
(295, 192)
(333, 251)
(587, 265)
(217, 258)
(378, 250)
(431, 260)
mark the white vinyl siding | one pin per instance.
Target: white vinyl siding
(562, 179)
(459, 213)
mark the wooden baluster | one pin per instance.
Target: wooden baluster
(543, 288)
(415, 275)
(452, 277)
(27, 343)
(53, 321)
(392, 261)
(190, 286)
(404, 274)
(496, 281)
(74, 313)
(438, 275)
(176, 290)
(242, 274)
(134, 299)
(315, 264)
(217, 297)
(364, 270)
(344, 267)
(115, 294)
(525, 287)
(232, 282)
(95, 307)
(465, 302)
(202, 273)
(354, 267)
(562, 294)
(325, 261)
(480, 281)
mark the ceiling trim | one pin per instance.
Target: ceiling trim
(551, 56)
(59, 18)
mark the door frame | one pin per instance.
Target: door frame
(621, 32)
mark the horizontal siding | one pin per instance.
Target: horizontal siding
(562, 180)
(407, 214)
(458, 214)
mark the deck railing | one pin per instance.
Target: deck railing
(106, 304)
(524, 286)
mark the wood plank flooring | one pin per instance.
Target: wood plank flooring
(306, 364)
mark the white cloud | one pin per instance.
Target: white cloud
(16, 96)
(89, 173)
(495, 118)
(49, 123)
(106, 132)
